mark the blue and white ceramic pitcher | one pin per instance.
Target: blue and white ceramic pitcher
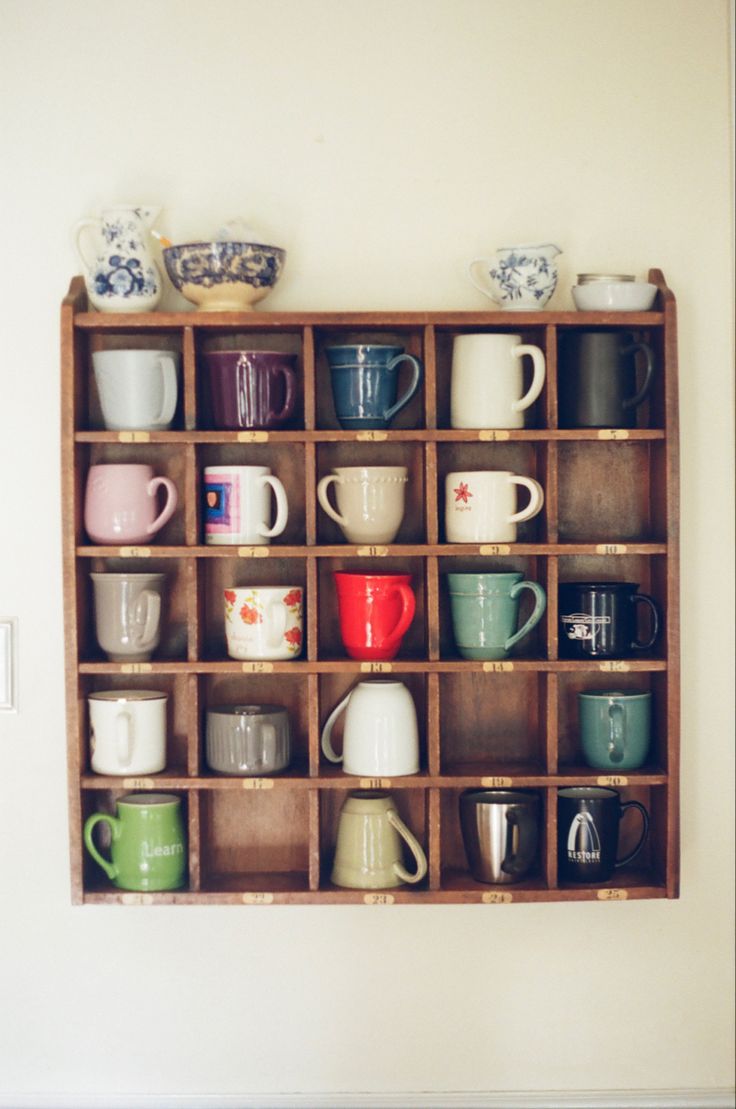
(519, 278)
(119, 270)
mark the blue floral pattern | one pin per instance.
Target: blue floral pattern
(123, 270)
(216, 263)
(521, 275)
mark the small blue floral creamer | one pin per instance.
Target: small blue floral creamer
(119, 270)
(519, 278)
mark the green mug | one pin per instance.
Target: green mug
(615, 728)
(147, 847)
(485, 613)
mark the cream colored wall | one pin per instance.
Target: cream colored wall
(385, 143)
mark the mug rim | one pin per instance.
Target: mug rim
(599, 585)
(610, 695)
(110, 696)
(249, 710)
(588, 793)
(113, 575)
(135, 350)
(138, 800)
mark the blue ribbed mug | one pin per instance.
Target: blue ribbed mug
(365, 383)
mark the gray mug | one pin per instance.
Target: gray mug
(248, 739)
(128, 615)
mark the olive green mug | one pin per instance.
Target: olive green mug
(147, 844)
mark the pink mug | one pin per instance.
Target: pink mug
(120, 503)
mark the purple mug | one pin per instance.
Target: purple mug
(251, 388)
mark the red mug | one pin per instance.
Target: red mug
(375, 612)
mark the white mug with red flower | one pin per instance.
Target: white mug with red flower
(480, 505)
(264, 621)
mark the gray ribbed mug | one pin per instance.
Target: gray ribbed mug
(248, 739)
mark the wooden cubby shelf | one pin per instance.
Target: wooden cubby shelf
(610, 513)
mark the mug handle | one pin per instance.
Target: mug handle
(635, 401)
(644, 598)
(616, 733)
(414, 385)
(540, 604)
(409, 605)
(124, 739)
(77, 233)
(289, 396)
(167, 511)
(538, 361)
(282, 507)
(150, 619)
(323, 499)
(480, 286)
(277, 619)
(414, 846)
(167, 366)
(519, 861)
(327, 748)
(535, 502)
(115, 827)
(644, 831)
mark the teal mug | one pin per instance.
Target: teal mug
(485, 613)
(615, 728)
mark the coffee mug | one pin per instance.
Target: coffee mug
(137, 388)
(375, 612)
(120, 503)
(369, 854)
(480, 505)
(237, 505)
(248, 739)
(264, 621)
(365, 380)
(128, 614)
(588, 819)
(598, 619)
(615, 728)
(148, 844)
(127, 731)
(485, 612)
(487, 383)
(597, 378)
(370, 501)
(381, 735)
(500, 831)
(250, 388)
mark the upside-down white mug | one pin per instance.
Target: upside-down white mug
(237, 505)
(137, 388)
(381, 736)
(127, 731)
(480, 505)
(487, 387)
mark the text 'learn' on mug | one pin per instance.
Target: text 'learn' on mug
(147, 842)
(480, 505)
(487, 386)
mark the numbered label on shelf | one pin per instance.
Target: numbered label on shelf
(257, 667)
(252, 436)
(372, 552)
(498, 667)
(135, 552)
(495, 782)
(376, 667)
(378, 899)
(613, 433)
(495, 549)
(138, 783)
(488, 436)
(497, 897)
(257, 898)
(612, 780)
(136, 899)
(136, 668)
(617, 666)
(613, 895)
(253, 552)
(611, 548)
(372, 436)
(257, 783)
(134, 437)
(375, 783)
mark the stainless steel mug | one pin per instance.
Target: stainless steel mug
(500, 830)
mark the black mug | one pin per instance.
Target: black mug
(597, 378)
(598, 619)
(588, 819)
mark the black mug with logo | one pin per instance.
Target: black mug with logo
(598, 619)
(588, 819)
(597, 378)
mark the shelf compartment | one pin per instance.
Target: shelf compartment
(88, 410)
(607, 493)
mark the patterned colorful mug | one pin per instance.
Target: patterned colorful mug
(264, 621)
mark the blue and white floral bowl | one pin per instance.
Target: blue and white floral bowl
(224, 276)
(518, 278)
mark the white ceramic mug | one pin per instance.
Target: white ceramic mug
(237, 505)
(127, 731)
(137, 388)
(480, 505)
(381, 735)
(264, 621)
(487, 387)
(370, 501)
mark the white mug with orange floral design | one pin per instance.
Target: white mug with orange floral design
(264, 621)
(480, 505)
